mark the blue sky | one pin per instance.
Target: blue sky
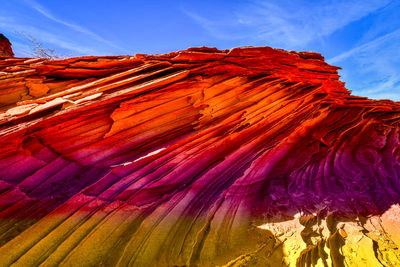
(362, 37)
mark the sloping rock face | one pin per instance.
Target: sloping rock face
(5, 47)
(246, 157)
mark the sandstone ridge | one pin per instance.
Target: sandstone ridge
(251, 156)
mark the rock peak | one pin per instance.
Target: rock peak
(5, 47)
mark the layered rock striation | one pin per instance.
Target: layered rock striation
(245, 157)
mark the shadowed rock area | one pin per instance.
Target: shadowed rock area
(5, 47)
(245, 157)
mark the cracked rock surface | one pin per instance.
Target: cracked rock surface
(245, 157)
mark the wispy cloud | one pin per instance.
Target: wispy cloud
(369, 46)
(287, 24)
(42, 10)
(53, 39)
(373, 69)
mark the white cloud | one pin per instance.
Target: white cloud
(373, 68)
(287, 24)
(39, 34)
(42, 10)
(372, 45)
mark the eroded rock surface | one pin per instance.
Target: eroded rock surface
(247, 157)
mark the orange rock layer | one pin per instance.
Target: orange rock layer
(199, 157)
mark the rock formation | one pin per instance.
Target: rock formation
(245, 157)
(5, 47)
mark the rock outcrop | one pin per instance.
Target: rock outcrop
(5, 47)
(245, 157)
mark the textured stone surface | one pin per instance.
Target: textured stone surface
(5, 47)
(241, 157)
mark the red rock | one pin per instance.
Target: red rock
(5, 47)
(175, 159)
